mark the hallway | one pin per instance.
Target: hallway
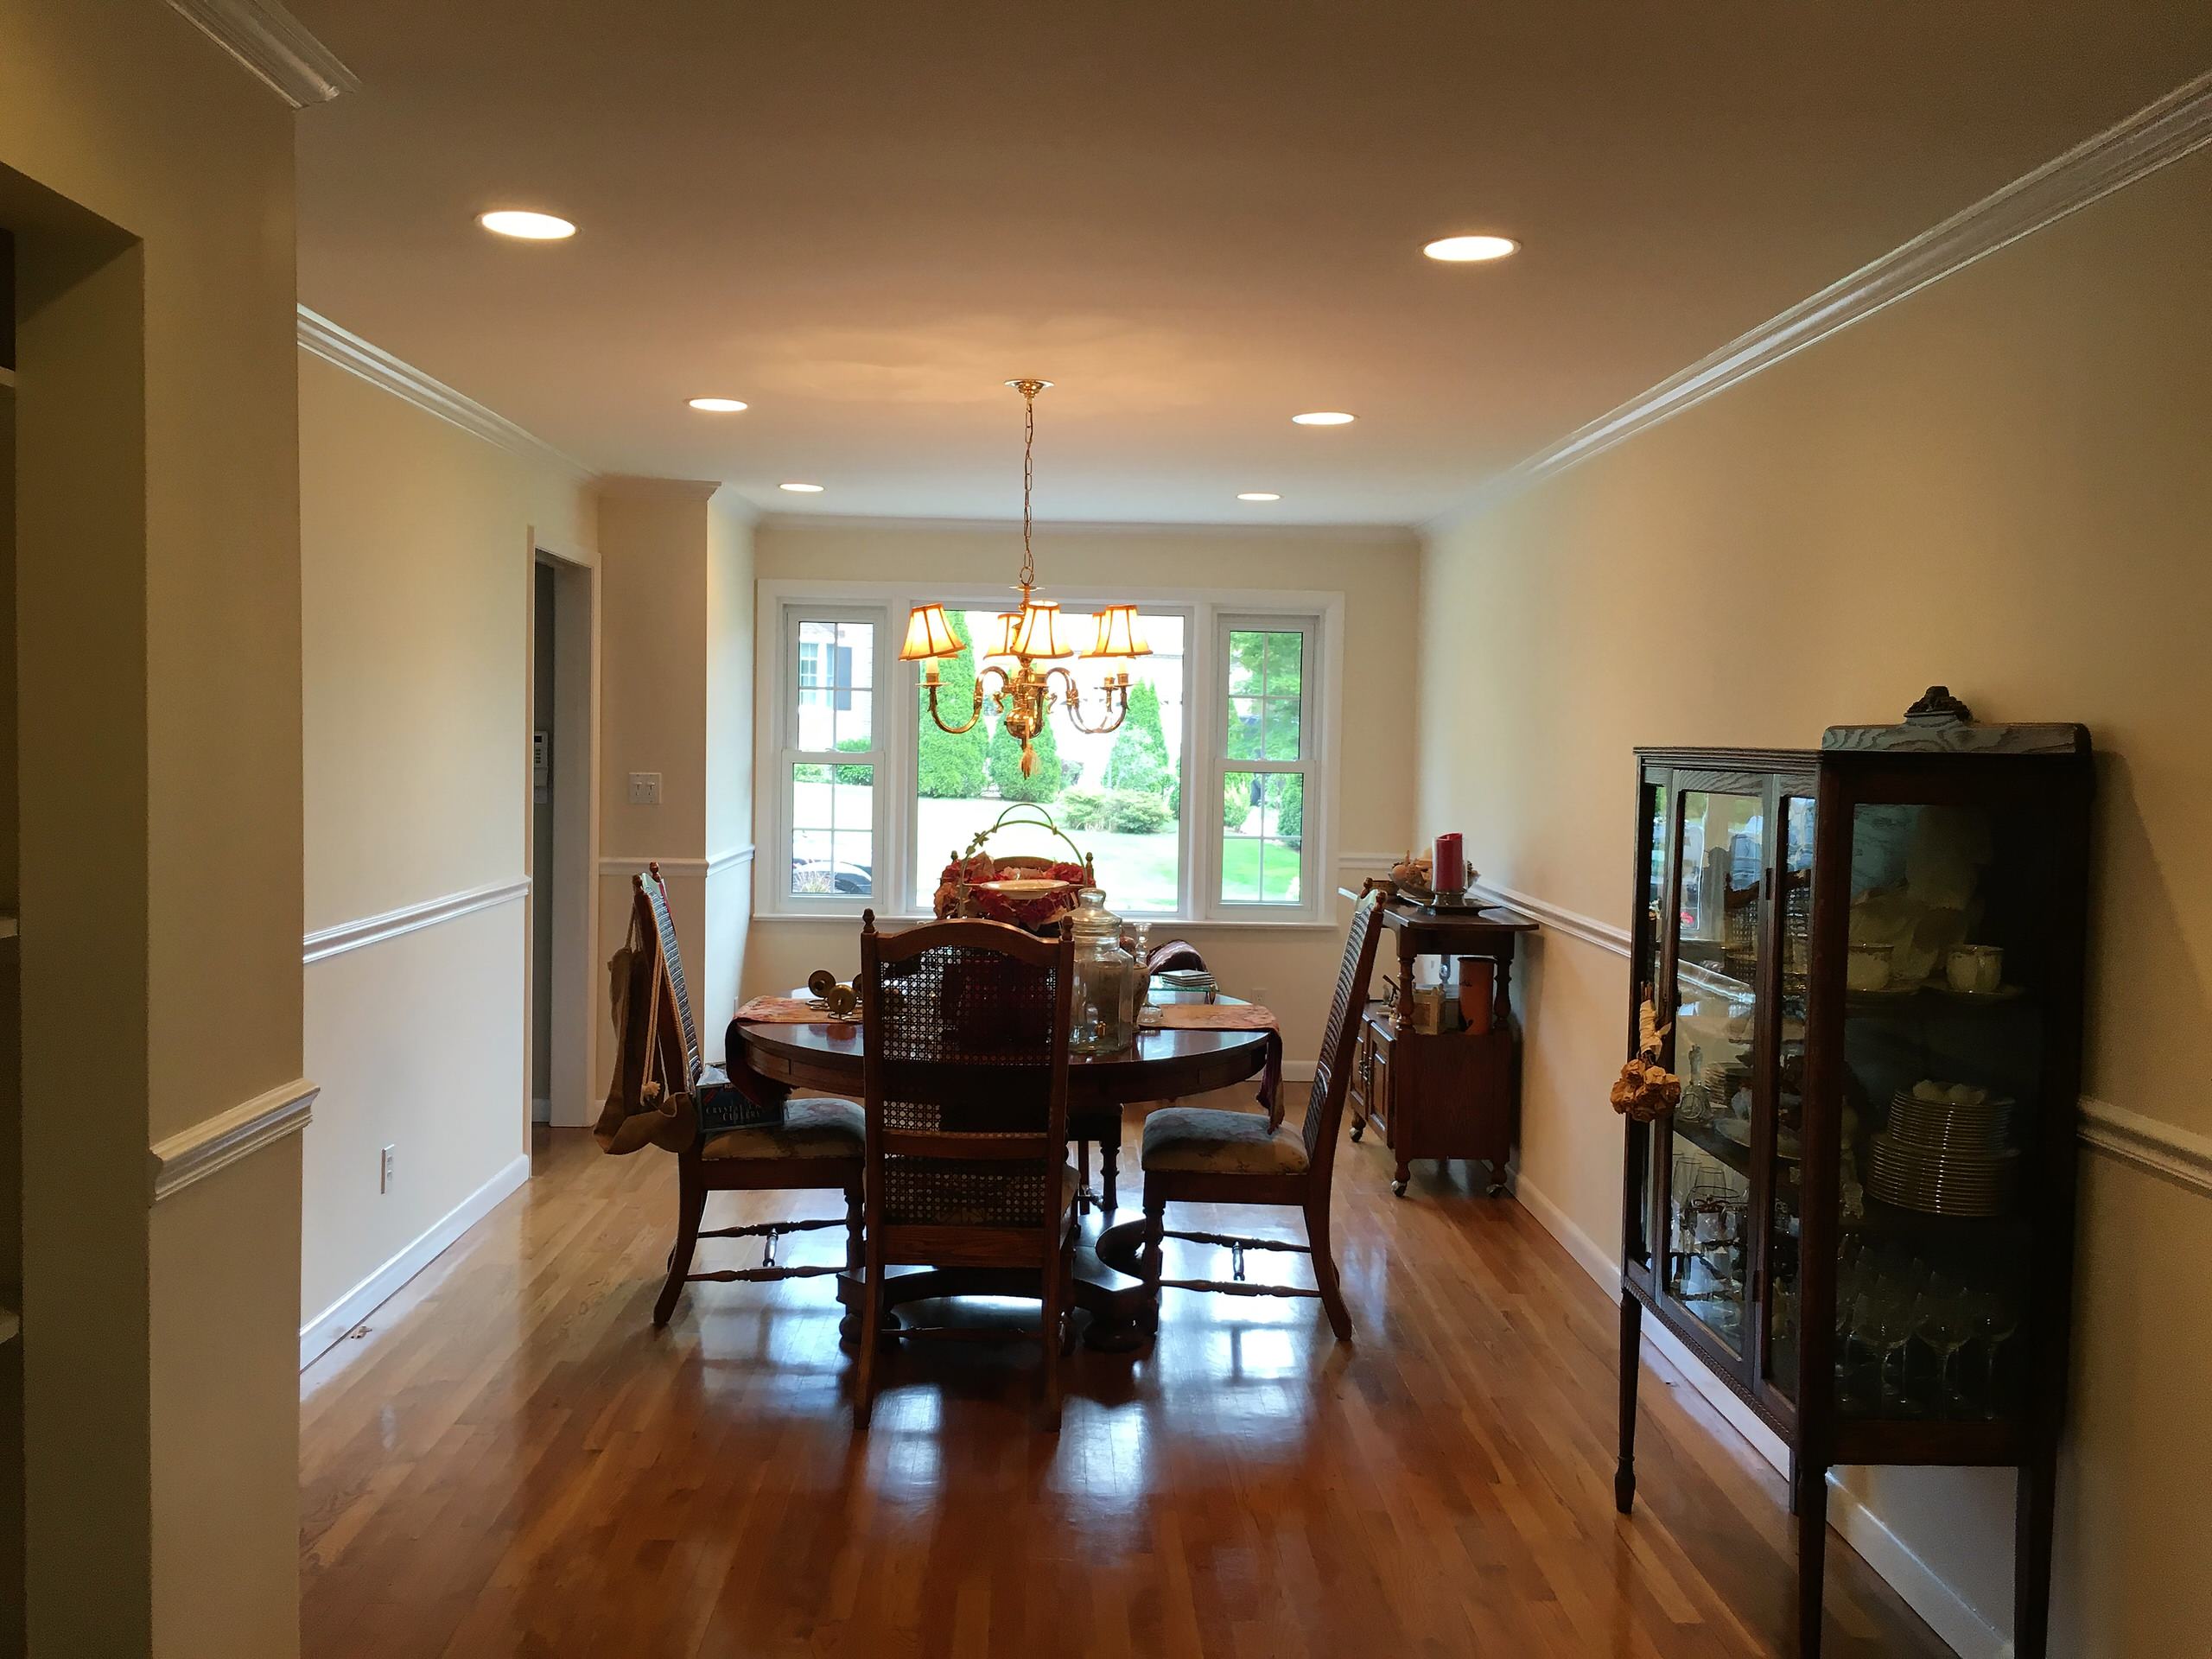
(509, 1461)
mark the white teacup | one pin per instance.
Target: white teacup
(1867, 968)
(1975, 968)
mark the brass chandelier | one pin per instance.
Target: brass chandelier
(1031, 635)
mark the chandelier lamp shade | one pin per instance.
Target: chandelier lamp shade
(1038, 632)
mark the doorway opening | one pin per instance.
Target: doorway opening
(560, 815)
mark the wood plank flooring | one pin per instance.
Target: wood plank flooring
(510, 1461)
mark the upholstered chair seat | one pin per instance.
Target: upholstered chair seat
(1221, 1143)
(1200, 1155)
(809, 1128)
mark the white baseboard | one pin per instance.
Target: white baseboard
(320, 1333)
(1969, 1635)
(1298, 1070)
(1946, 1612)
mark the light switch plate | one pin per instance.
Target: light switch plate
(384, 1170)
(644, 789)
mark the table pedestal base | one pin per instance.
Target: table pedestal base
(1123, 1313)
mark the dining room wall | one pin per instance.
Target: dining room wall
(1375, 570)
(156, 706)
(417, 557)
(679, 656)
(2000, 484)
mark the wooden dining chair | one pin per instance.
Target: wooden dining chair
(1203, 1155)
(965, 1066)
(743, 1142)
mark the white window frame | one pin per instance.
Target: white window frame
(787, 753)
(1207, 614)
(1307, 765)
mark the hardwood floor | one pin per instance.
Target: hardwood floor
(512, 1461)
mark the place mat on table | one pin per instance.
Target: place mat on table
(1207, 1016)
(785, 1011)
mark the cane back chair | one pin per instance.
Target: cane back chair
(753, 1141)
(965, 1060)
(1202, 1154)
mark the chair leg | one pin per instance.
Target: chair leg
(871, 1334)
(848, 1327)
(1325, 1268)
(1148, 1264)
(1082, 1176)
(1055, 1311)
(690, 1205)
(1109, 1167)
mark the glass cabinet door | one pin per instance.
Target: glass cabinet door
(1642, 1192)
(1717, 973)
(1942, 1050)
(1793, 943)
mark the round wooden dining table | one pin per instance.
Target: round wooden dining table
(1165, 1064)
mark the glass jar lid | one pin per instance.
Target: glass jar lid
(1091, 919)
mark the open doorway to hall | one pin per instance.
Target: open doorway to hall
(559, 814)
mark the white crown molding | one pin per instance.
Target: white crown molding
(328, 942)
(199, 1152)
(1401, 536)
(323, 338)
(276, 46)
(2155, 135)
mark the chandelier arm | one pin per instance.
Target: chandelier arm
(1117, 706)
(974, 715)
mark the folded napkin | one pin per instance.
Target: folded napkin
(1205, 1016)
(785, 1011)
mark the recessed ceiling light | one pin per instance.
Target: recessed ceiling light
(1259, 495)
(1463, 250)
(530, 227)
(801, 489)
(718, 405)
(1324, 417)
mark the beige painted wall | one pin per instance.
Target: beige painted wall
(158, 613)
(728, 914)
(677, 583)
(417, 544)
(2000, 483)
(1294, 969)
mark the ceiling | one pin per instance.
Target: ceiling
(1198, 217)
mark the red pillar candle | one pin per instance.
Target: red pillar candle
(1450, 874)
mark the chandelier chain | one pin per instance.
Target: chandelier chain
(1028, 478)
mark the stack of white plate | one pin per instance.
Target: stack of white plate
(1186, 980)
(1946, 1157)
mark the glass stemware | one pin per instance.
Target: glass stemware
(1943, 1320)
(1994, 1317)
(1883, 1320)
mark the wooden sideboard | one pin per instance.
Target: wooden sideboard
(1449, 1094)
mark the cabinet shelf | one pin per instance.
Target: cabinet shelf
(1715, 1146)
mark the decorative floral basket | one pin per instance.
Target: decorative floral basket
(1646, 1090)
(1028, 890)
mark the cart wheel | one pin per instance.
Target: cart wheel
(1398, 1189)
(1359, 1128)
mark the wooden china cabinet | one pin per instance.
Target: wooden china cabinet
(1866, 961)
